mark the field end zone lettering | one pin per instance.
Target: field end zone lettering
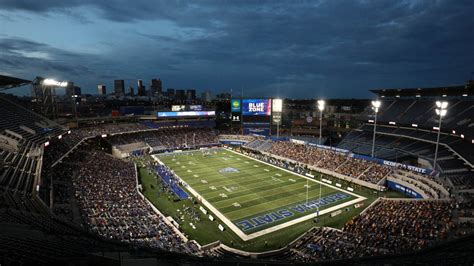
(272, 217)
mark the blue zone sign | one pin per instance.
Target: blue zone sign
(261, 107)
(275, 216)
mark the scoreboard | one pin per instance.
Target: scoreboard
(253, 116)
(259, 107)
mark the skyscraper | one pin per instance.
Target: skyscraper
(119, 87)
(101, 90)
(140, 88)
(206, 96)
(190, 95)
(156, 87)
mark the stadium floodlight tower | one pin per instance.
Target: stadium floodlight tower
(320, 108)
(441, 111)
(277, 106)
(44, 91)
(375, 106)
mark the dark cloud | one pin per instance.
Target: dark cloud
(305, 48)
(31, 58)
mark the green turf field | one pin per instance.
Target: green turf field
(250, 194)
(206, 231)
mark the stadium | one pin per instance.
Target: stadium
(167, 184)
(319, 132)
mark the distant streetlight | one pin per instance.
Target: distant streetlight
(441, 112)
(375, 106)
(321, 108)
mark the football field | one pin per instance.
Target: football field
(251, 197)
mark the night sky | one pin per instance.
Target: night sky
(296, 49)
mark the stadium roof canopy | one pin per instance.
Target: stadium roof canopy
(7, 82)
(459, 90)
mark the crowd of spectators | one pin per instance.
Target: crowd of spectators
(331, 160)
(59, 147)
(107, 196)
(403, 225)
(168, 139)
(387, 227)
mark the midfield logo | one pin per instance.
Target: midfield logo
(229, 170)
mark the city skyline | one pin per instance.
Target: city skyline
(306, 49)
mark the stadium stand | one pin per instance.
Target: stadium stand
(341, 163)
(388, 226)
(91, 201)
(106, 191)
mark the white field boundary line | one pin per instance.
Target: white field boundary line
(272, 229)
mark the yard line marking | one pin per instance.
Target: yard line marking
(276, 179)
(266, 170)
(196, 175)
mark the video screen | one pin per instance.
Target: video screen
(257, 107)
(186, 113)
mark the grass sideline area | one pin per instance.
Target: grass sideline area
(206, 231)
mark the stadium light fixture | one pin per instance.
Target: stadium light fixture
(442, 105)
(376, 105)
(277, 105)
(321, 104)
(53, 82)
(441, 111)
(414, 125)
